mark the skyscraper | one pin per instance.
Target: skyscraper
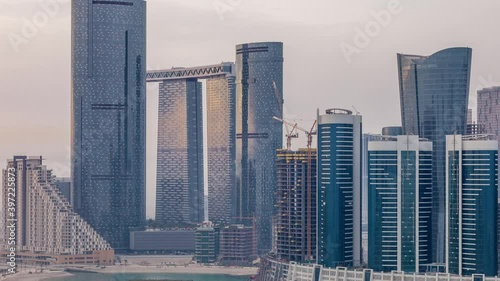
(258, 66)
(488, 111)
(296, 205)
(108, 115)
(434, 92)
(221, 146)
(339, 188)
(367, 138)
(400, 195)
(179, 177)
(180, 183)
(471, 205)
(47, 230)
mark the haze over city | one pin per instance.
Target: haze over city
(36, 74)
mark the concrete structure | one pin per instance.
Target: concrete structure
(109, 116)
(472, 126)
(45, 224)
(238, 245)
(164, 240)
(400, 204)
(64, 185)
(339, 188)
(272, 270)
(180, 180)
(207, 243)
(434, 92)
(258, 66)
(471, 205)
(296, 205)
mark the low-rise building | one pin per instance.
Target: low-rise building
(170, 240)
(238, 245)
(207, 243)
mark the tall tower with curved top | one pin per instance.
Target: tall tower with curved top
(108, 115)
(434, 92)
(258, 135)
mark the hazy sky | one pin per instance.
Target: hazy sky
(35, 66)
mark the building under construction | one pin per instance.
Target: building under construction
(238, 245)
(296, 205)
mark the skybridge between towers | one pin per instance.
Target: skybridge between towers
(180, 175)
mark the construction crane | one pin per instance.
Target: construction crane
(293, 134)
(289, 134)
(309, 152)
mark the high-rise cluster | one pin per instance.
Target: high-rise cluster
(434, 92)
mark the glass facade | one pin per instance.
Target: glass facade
(179, 177)
(366, 139)
(471, 205)
(383, 214)
(339, 189)
(221, 146)
(434, 94)
(258, 65)
(180, 181)
(108, 115)
(400, 202)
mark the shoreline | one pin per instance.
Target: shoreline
(44, 276)
(48, 275)
(191, 269)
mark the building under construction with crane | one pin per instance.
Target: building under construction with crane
(296, 205)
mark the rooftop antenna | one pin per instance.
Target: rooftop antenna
(357, 112)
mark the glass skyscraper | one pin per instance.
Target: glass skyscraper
(108, 115)
(434, 92)
(400, 203)
(339, 188)
(221, 146)
(258, 65)
(179, 177)
(471, 205)
(367, 138)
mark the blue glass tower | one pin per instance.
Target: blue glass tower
(339, 188)
(434, 94)
(258, 66)
(400, 202)
(108, 115)
(471, 205)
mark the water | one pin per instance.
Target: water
(148, 276)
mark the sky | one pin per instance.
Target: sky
(338, 53)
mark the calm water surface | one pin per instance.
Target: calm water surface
(148, 276)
